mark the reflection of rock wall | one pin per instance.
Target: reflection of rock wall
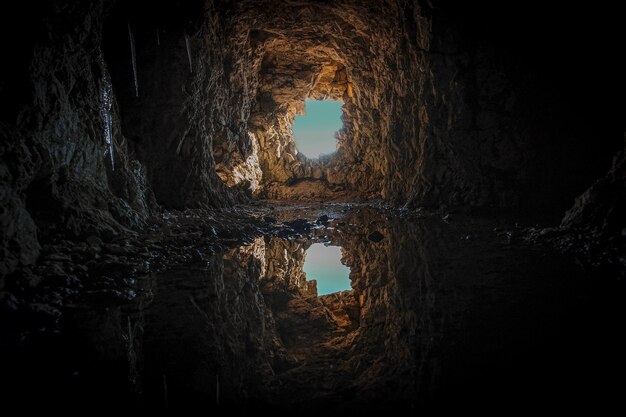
(208, 331)
(285, 262)
(393, 287)
(191, 338)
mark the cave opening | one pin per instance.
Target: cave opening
(315, 130)
(323, 264)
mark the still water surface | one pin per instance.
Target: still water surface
(437, 310)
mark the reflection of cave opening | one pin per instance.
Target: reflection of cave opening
(315, 130)
(323, 264)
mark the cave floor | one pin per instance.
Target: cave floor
(446, 311)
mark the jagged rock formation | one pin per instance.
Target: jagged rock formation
(600, 208)
(189, 117)
(65, 167)
(594, 228)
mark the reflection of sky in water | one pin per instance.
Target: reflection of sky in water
(315, 130)
(323, 263)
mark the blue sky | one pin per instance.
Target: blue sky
(315, 130)
(323, 263)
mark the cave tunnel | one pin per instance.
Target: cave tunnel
(157, 213)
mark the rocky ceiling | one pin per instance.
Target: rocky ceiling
(319, 50)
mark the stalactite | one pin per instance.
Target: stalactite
(188, 52)
(217, 389)
(158, 38)
(165, 402)
(133, 59)
(106, 104)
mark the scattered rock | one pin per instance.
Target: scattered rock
(54, 270)
(299, 225)
(58, 257)
(323, 219)
(119, 250)
(46, 309)
(8, 301)
(375, 236)
(94, 241)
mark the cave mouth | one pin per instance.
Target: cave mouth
(322, 263)
(315, 130)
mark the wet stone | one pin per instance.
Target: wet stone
(299, 225)
(323, 219)
(94, 241)
(375, 236)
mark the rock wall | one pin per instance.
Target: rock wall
(187, 114)
(398, 324)
(285, 262)
(499, 112)
(593, 229)
(65, 167)
(601, 206)
(111, 111)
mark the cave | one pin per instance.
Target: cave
(157, 212)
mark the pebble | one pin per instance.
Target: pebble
(94, 241)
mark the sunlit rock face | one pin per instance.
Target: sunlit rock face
(337, 51)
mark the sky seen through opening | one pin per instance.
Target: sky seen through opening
(315, 130)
